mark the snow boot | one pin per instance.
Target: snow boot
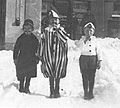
(27, 84)
(21, 85)
(27, 91)
(86, 95)
(21, 89)
(52, 93)
(91, 96)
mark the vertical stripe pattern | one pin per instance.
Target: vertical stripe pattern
(54, 53)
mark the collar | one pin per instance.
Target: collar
(89, 39)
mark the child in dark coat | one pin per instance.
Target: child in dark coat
(24, 56)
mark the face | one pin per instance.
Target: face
(54, 22)
(88, 32)
(27, 29)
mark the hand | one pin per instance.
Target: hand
(41, 59)
(37, 59)
(98, 64)
(15, 61)
(77, 42)
(43, 70)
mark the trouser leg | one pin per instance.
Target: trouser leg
(21, 85)
(57, 82)
(27, 84)
(92, 71)
(85, 85)
(83, 62)
(91, 84)
(51, 81)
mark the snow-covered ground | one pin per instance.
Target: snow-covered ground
(106, 90)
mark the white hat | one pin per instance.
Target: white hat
(52, 13)
(89, 25)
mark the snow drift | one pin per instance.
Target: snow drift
(106, 90)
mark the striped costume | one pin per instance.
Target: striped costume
(53, 50)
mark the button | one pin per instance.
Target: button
(89, 50)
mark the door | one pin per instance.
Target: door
(2, 22)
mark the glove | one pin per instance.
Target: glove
(43, 70)
(41, 59)
(98, 64)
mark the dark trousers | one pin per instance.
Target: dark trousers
(24, 83)
(54, 85)
(88, 68)
(88, 81)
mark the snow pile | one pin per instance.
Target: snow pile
(7, 68)
(107, 85)
(110, 70)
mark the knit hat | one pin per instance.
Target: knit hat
(28, 22)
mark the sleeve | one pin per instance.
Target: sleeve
(16, 49)
(98, 51)
(36, 50)
(78, 46)
(41, 47)
(37, 44)
(63, 35)
(78, 43)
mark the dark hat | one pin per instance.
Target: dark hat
(28, 22)
(89, 25)
(53, 14)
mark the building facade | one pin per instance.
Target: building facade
(14, 12)
(106, 13)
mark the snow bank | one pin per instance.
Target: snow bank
(7, 68)
(107, 85)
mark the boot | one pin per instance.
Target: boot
(27, 91)
(52, 92)
(21, 85)
(27, 84)
(91, 96)
(57, 82)
(86, 95)
(21, 89)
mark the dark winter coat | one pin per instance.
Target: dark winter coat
(54, 53)
(25, 53)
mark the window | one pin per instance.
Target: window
(117, 6)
